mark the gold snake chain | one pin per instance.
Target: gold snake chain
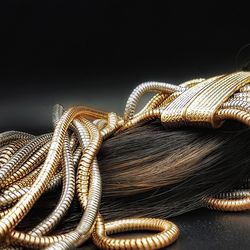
(31, 165)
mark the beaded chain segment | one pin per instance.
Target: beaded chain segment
(32, 165)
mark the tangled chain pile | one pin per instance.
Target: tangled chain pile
(32, 165)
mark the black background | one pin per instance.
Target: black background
(95, 52)
(77, 38)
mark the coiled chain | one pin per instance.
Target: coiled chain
(31, 165)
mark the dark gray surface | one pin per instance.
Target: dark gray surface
(202, 229)
(205, 230)
(31, 111)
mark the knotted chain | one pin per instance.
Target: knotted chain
(32, 165)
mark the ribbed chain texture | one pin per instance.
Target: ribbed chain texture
(32, 165)
(144, 88)
(200, 103)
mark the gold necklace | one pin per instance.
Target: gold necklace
(32, 165)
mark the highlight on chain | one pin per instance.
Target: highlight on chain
(68, 160)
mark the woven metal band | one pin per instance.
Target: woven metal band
(199, 103)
